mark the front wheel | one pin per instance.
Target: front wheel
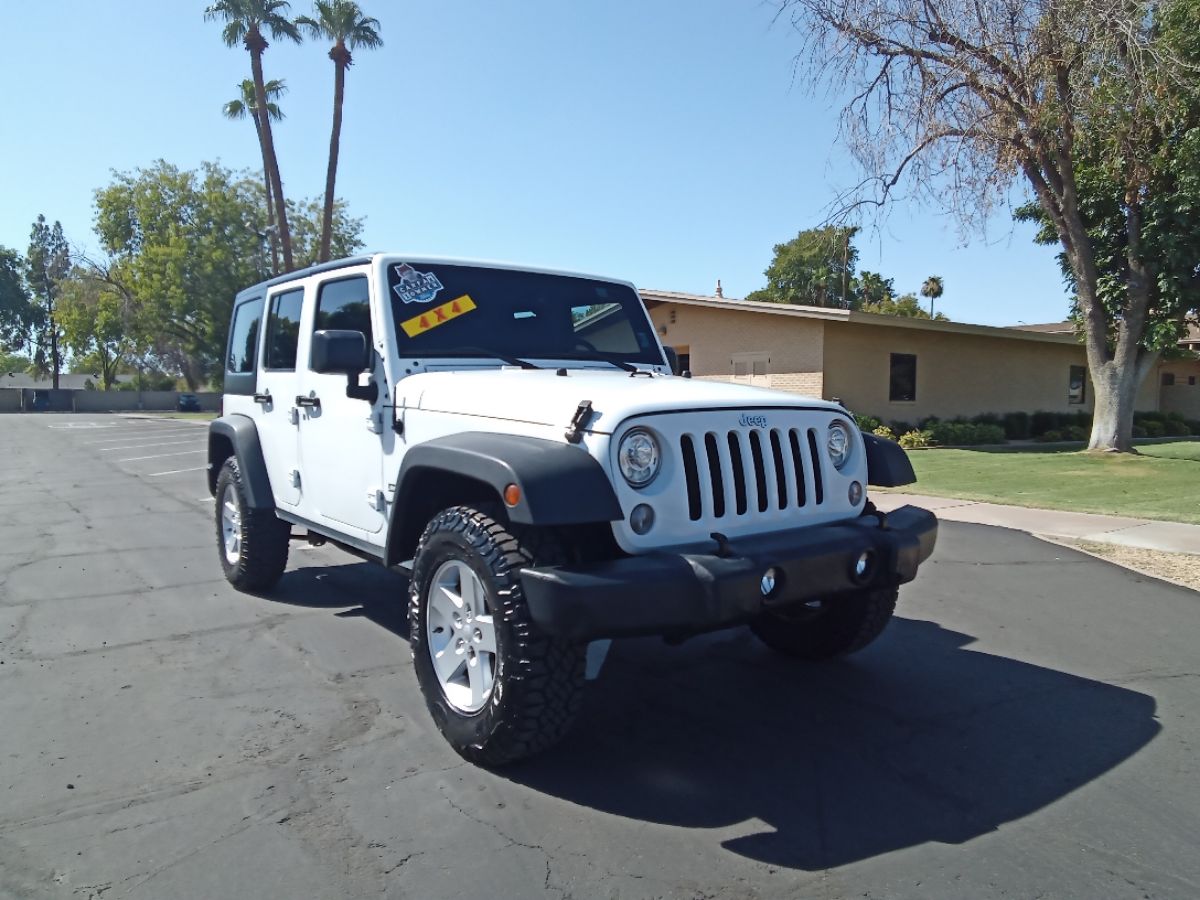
(825, 629)
(252, 543)
(498, 689)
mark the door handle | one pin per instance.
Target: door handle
(263, 398)
(314, 402)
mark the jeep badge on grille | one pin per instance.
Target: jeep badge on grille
(749, 421)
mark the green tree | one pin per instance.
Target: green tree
(343, 23)
(12, 362)
(815, 268)
(932, 289)
(17, 313)
(307, 216)
(873, 288)
(245, 24)
(906, 305)
(96, 325)
(1094, 106)
(246, 106)
(47, 262)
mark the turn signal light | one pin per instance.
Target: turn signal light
(512, 495)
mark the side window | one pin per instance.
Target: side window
(283, 330)
(1077, 385)
(1168, 379)
(243, 337)
(751, 368)
(344, 304)
(902, 378)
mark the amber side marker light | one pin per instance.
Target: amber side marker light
(512, 495)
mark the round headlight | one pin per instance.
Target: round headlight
(638, 457)
(838, 443)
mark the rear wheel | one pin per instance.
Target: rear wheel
(251, 543)
(498, 689)
(826, 629)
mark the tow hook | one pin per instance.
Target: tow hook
(871, 510)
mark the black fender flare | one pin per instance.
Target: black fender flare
(242, 434)
(887, 463)
(560, 484)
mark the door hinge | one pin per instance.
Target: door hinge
(377, 500)
(294, 416)
(375, 423)
(294, 475)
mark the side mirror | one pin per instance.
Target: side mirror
(672, 359)
(339, 352)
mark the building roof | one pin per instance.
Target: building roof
(66, 382)
(655, 298)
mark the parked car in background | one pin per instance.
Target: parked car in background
(188, 403)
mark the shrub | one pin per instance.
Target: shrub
(1175, 427)
(901, 427)
(1050, 437)
(966, 434)
(1016, 426)
(1074, 433)
(1175, 417)
(1041, 422)
(913, 439)
(1139, 431)
(1154, 428)
(866, 423)
(988, 419)
(1193, 425)
(1149, 416)
(884, 432)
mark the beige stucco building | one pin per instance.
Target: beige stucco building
(897, 368)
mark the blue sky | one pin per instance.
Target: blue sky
(620, 137)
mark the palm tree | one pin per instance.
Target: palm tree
(343, 22)
(245, 22)
(245, 106)
(932, 288)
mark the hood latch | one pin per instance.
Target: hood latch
(579, 421)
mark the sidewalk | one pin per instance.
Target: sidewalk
(1169, 537)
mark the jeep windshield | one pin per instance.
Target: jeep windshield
(454, 311)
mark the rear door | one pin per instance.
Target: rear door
(277, 415)
(342, 438)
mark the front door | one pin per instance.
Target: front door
(342, 438)
(276, 415)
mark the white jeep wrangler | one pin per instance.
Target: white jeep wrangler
(516, 441)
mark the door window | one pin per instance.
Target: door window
(243, 337)
(283, 330)
(344, 305)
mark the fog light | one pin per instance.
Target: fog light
(770, 581)
(641, 519)
(855, 493)
(864, 566)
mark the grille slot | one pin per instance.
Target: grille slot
(744, 472)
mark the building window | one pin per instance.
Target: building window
(751, 368)
(1168, 379)
(1077, 385)
(1192, 380)
(902, 380)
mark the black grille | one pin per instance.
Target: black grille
(753, 470)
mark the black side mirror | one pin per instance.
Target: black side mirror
(342, 352)
(672, 359)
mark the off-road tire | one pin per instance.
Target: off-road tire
(845, 623)
(538, 685)
(263, 553)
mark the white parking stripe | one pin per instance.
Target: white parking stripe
(129, 434)
(160, 455)
(140, 446)
(177, 471)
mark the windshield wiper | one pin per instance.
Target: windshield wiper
(483, 351)
(599, 356)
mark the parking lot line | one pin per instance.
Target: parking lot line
(162, 455)
(127, 434)
(177, 471)
(140, 446)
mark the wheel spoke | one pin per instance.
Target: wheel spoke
(468, 586)
(479, 674)
(447, 661)
(487, 635)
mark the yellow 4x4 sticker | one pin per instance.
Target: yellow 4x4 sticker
(439, 315)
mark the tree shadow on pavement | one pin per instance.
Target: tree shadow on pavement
(916, 739)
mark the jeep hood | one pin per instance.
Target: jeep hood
(544, 398)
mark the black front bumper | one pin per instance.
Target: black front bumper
(701, 590)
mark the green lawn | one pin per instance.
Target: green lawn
(1163, 482)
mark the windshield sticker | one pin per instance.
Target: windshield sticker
(414, 286)
(439, 315)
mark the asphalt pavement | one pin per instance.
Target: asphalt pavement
(1027, 726)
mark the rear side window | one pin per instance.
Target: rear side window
(344, 305)
(243, 336)
(283, 330)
